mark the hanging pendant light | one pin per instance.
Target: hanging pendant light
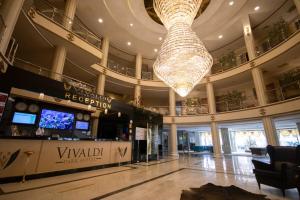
(183, 59)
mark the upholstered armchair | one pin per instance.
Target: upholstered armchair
(282, 171)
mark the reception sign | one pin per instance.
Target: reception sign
(87, 97)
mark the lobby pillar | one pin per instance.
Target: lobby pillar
(259, 83)
(138, 76)
(173, 149)
(101, 83)
(10, 12)
(212, 111)
(60, 52)
(226, 140)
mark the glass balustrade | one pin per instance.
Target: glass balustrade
(181, 110)
(275, 34)
(49, 74)
(230, 104)
(57, 15)
(229, 61)
(284, 92)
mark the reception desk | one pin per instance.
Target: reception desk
(50, 156)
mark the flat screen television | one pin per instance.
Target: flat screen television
(24, 118)
(52, 119)
(82, 125)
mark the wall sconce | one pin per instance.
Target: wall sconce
(247, 30)
(119, 114)
(41, 96)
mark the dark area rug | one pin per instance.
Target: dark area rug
(215, 192)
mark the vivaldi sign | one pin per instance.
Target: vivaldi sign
(80, 95)
(73, 155)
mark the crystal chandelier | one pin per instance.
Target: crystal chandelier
(183, 59)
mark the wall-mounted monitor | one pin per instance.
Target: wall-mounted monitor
(82, 125)
(24, 118)
(52, 119)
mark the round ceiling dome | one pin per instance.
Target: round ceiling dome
(151, 12)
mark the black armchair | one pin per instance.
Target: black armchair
(282, 171)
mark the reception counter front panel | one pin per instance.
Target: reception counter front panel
(42, 156)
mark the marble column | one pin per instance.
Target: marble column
(297, 4)
(101, 77)
(101, 82)
(173, 150)
(172, 102)
(248, 37)
(211, 98)
(226, 140)
(10, 11)
(58, 62)
(270, 131)
(138, 76)
(215, 139)
(70, 10)
(60, 52)
(212, 110)
(259, 83)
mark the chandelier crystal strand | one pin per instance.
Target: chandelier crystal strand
(183, 59)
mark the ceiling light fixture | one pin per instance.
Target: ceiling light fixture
(128, 43)
(160, 38)
(231, 3)
(100, 20)
(155, 50)
(220, 36)
(183, 59)
(256, 8)
(131, 24)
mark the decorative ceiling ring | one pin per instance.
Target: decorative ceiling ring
(151, 12)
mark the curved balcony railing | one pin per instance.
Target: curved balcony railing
(284, 92)
(147, 75)
(115, 66)
(228, 61)
(49, 74)
(181, 110)
(277, 33)
(128, 71)
(236, 104)
(57, 15)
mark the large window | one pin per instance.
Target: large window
(239, 137)
(287, 129)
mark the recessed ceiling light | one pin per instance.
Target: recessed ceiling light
(131, 24)
(220, 36)
(256, 8)
(231, 3)
(100, 20)
(160, 38)
(155, 50)
(128, 43)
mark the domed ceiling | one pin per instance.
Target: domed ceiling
(129, 21)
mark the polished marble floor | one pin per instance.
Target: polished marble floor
(164, 179)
